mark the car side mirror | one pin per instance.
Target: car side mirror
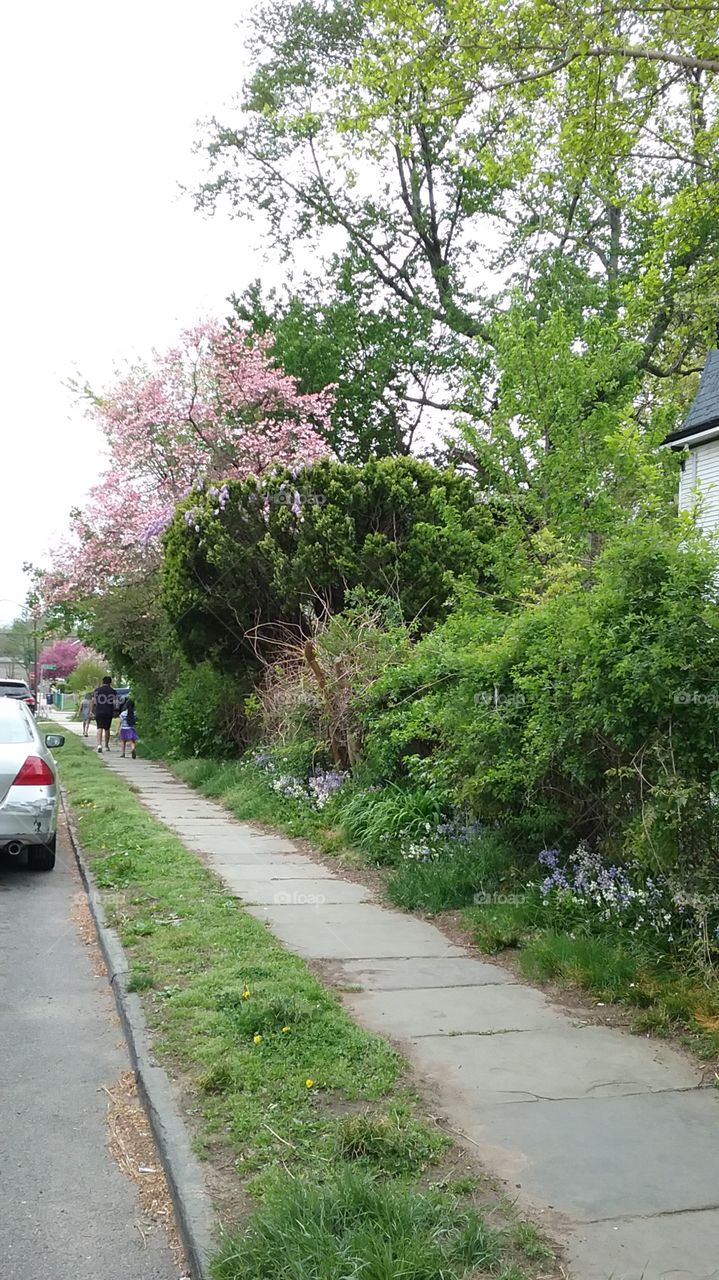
(54, 740)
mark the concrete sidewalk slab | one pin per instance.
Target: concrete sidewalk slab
(230, 838)
(608, 1158)
(299, 893)
(438, 971)
(556, 1061)
(238, 875)
(358, 930)
(434, 1011)
(654, 1248)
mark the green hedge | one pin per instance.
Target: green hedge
(244, 565)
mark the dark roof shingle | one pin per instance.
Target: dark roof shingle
(704, 410)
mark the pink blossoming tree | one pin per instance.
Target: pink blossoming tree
(210, 409)
(65, 655)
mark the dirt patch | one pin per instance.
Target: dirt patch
(131, 1145)
(81, 917)
(221, 1168)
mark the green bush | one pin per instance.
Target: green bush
(588, 713)
(204, 714)
(129, 625)
(241, 574)
(87, 675)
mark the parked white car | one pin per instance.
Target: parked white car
(28, 786)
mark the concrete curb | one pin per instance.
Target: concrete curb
(193, 1211)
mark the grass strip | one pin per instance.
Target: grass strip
(321, 1128)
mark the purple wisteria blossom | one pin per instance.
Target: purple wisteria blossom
(626, 896)
(323, 783)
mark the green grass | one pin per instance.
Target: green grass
(379, 822)
(312, 1110)
(358, 1228)
(453, 880)
(668, 998)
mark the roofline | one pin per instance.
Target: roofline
(689, 435)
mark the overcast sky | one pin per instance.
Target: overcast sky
(102, 258)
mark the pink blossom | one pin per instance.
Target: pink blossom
(64, 655)
(213, 408)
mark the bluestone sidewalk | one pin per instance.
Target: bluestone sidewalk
(610, 1139)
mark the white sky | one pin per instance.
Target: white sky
(101, 258)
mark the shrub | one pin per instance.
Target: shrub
(87, 675)
(204, 714)
(589, 713)
(237, 575)
(306, 705)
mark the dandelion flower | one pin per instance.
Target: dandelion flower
(257, 1038)
(285, 1029)
(246, 993)
(309, 1083)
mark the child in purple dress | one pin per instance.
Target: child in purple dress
(128, 730)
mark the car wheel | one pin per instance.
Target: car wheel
(42, 857)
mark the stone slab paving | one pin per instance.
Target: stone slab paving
(241, 876)
(430, 1011)
(298, 892)
(404, 975)
(357, 930)
(612, 1140)
(560, 1061)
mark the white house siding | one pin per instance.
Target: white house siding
(687, 481)
(700, 482)
(707, 464)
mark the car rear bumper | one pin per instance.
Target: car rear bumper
(28, 814)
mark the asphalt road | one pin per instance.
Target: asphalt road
(66, 1209)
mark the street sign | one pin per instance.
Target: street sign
(49, 666)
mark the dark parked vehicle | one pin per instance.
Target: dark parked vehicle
(17, 689)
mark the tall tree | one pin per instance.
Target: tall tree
(537, 181)
(381, 360)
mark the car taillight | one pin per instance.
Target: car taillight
(28, 699)
(34, 773)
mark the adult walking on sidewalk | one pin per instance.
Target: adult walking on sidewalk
(104, 707)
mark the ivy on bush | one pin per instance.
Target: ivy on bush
(246, 561)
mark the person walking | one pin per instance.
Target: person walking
(85, 709)
(104, 707)
(128, 728)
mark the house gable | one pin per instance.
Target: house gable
(701, 424)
